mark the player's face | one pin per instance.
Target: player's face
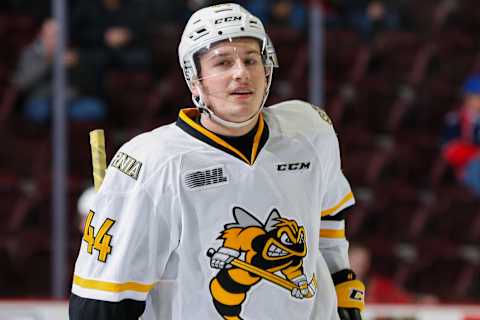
(233, 79)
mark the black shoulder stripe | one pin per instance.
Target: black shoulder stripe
(339, 216)
(87, 309)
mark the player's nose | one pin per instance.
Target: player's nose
(240, 70)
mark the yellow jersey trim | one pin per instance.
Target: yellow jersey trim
(111, 286)
(331, 233)
(185, 115)
(344, 200)
(256, 139)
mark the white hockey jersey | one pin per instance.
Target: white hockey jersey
(175, 195)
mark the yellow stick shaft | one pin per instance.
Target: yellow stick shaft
(271, 276)
(264, 274)
(99, 158)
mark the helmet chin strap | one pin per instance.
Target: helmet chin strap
(199, 102)
(202, 106)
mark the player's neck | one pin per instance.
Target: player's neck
(226, 131)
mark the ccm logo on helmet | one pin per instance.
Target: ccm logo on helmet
(293, 166)
(228, 19)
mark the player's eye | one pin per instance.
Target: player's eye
(250, 62)
(285, 239)
(222, 63)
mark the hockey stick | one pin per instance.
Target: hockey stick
(99, 158)
(284, 283)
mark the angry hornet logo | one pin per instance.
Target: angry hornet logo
(252, 252)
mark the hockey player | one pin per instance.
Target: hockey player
(235, 211)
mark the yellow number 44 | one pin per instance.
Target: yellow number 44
(101, 241)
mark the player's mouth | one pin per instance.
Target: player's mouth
(241, 93)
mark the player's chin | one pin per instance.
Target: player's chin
(242, 111)
(246, 102)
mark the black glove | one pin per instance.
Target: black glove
(350, 295)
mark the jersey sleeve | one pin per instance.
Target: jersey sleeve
(87, 309)
(128, 239)
(336, 201)
(338, 195)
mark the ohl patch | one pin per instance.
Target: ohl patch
(272, 251)
(204, 178)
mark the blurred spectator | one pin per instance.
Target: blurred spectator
(379, 288)
(33, 78)
(462, 136)
(285, 13)
(110, 34)
(371, 17)
(367, 17)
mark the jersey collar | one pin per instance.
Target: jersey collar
(187, 123)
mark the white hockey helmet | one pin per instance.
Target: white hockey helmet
(216, 23)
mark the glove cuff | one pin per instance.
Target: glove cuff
(350, 292)
(343, 276)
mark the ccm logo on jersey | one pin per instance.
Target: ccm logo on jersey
(205, 178)
(126, 164)
(293, 166)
